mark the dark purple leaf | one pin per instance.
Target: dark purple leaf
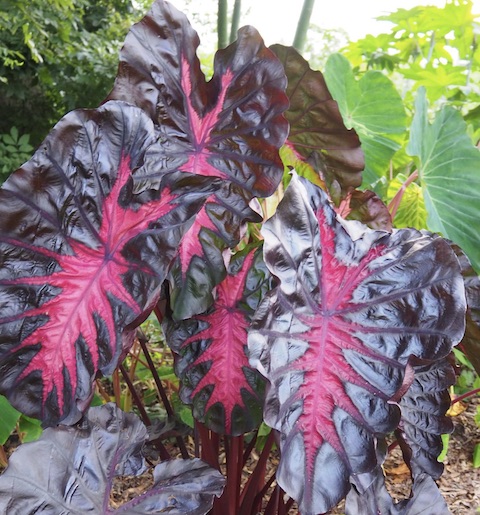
(226, 393)
(367, 207)
(423, 416)
(82, 257)
(471, 341)
(316, 125)
(70, 471)
(230, 128)
(369, 496)
(334, 338)
(200, 263)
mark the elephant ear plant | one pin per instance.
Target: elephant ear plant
(335, 334)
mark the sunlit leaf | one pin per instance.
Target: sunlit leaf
(448, 166)
(371, 106)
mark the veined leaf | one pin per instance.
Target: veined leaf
(229, 128)
(423, 416)
(316, 124)
(448, 167)
(352, 307)
(8, 419)
(226, 393)
(367, 207)
(471, 341)
(370, 495)
(71, 471)
(411, 212)
(82, 257)
(371, 106)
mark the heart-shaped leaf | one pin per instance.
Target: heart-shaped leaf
(448, 167)
(371, 106)
(82, 257)
(230, 127)
(226, 393)
(71, 471)
(353, 305)
(316, 124)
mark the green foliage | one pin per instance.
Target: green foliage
(14, 150)
(371, 106)
(448, 166)
(429, 46)
(411, 211)
(56, 55)
(8, 420)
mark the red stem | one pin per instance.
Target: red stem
(465, 395)
(397, 199)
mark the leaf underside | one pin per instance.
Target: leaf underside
(83, 462)
(82, 257)
(226, 393)
(316, 125)
(334, 338)
(230, 128)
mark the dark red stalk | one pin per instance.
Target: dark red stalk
(465, 395)
(164, 454)
(234, 454)
(397, 199)
(162, 392)
(273, 503)
(249, 501)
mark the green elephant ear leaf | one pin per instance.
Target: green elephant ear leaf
(371, 106)
(449, 170)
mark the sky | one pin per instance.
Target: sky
(276, 20)
(356, 17)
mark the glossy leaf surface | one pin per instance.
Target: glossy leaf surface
(226, 393)
(369, 495)
(448, 167)
(230, 128)
(82, 257)
(381, 131)
(367, 207)
(334, 338)
(471, 341)
(316, 124)
(71, 471)
(423, 416)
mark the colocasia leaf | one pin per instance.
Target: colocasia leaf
(71, 471)
(230, 127)
(316, 124)
(471, 341)
(334, 338)
(367, 207)
(369, 496)
(423, 416)
(82, 257)
(226, 393)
